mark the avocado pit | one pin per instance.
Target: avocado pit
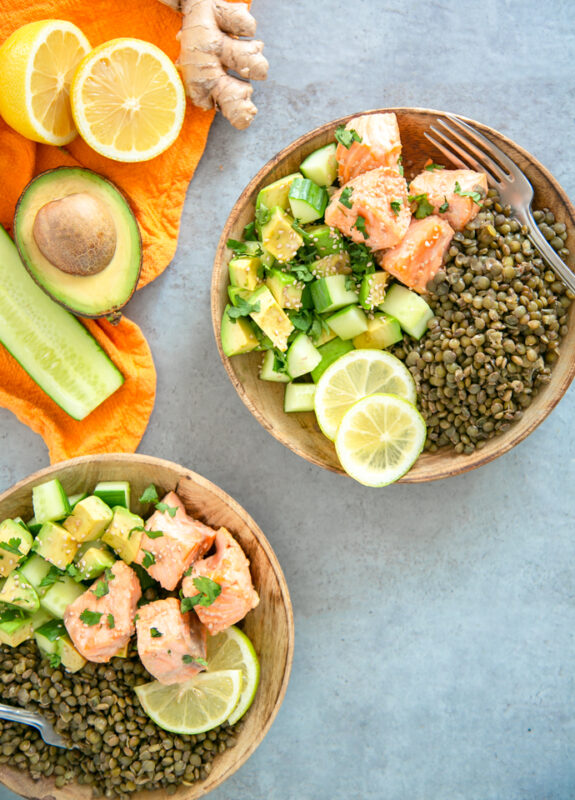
(76, 234)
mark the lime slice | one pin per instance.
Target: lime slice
(355, 375)
(379, 439)
(231, 649)
(194, 706)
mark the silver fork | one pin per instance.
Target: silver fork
(466, 147)
(25, 717)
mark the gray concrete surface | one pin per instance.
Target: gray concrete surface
(434, 624)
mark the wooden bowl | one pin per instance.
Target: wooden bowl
(300, 432)
(269, 625)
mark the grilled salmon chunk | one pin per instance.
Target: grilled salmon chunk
(379, 145)
(371, 209)
(447, 188)
(101, 621)
(171, 645)
(176, 540)
(419, 255)
(230, 569)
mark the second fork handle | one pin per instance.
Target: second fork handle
(558, 266)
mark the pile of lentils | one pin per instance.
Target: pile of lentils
(500, 315)
(117, 748)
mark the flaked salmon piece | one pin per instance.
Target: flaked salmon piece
(419, 255)
(380, 146)
(230, 569)
(182, 541)
(171, 645)
(371, 209)
(101, 621)
(443, 188)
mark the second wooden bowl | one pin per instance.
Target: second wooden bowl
(269, 625)
(300, 432)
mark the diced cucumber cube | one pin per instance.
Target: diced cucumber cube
(35, 570)
(15, 542)
(348, 322)
(372, 289)
(331, 293)
(237, 335)
(276, 193)
(89, 519)
(299, 397)
(50, 502)
(382, 331)
(336, 264)
(302, 356)
(285, 287)
(321, 165)
(326, 240)
(272, 320)
(113, 493)
(56, 545)
(268, 371)
(124, 534)
(307, 200)
(39, 618)
(18, 591)
(33, 526)
(278, 236)
(330, 352)
(244, 272)
(408, 308)
(60, 595)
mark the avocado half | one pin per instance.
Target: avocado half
(97, 295)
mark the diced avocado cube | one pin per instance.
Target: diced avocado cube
(269, 372)
(348, 322)
(244, 272)
(257, 249)
(93, 562)
(325, 336)
(71, 659)
(237, 335)
(39, 618)
(124, 534)
(307, 200)
(382, 331)
(60, 595)
(299, 397)
(321, 165)
(89, 519)
(18, 591)
(50, 501)
(302, 356)
(331, 293)
(408, 308)
(236, 295)
(330, 352)
(279, 237)
(15, 629)
(285, 287)
(336, 264)
(276, 193)
(270, 318)
(74, 499)
(15, 542)
(56, 545)
(35, 570)
(372, 289)
(327, 241)
(122, 652)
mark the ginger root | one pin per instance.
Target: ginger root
(209, 46)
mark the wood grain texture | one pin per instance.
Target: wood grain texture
(269, 625)
(264, 399)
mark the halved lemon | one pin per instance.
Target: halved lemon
(379, 439)
(232, 649)
(356, 375)
(37, 63)
(128, 100)
(194, 706)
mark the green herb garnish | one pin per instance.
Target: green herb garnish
(52, 576)
(475, 196)
(73, 571)
(54, 660)
(243, 308)
(360, 225)
(431, 167)
(345, 196)
(154, 534)
(444, 206)
(424, 207)
(90, 617)
(347, 137)
(12, 546)
(150, 495)
(263, 215)
(111, 621)
(188, 659)
(208, 591)
(166, 509)
(148, 559)
(250, 234)
(155, 633)
(395, 206)
(400, 166)
(52, 630)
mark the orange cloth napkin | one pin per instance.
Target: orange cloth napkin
(156, 190)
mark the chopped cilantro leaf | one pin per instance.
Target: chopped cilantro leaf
(302, 272)
(400, 166)
(73, 571)
(136, 528)
(52, 576)
(263, 215)
(237, 247)
(345, 196)
(155, 633)
(208, 591)
(12, 546)
(111, 621)
(423, 206)
(150, 495)
(360, 225)
(154, 534)
(444, 206)
(431, 167)
(90, 617)
(250, 232)
(166, 509)
(54, 660)
(188, 659)
(148, 559)
(347, 137)
(101, 588)
(280, 361)
(52, 630)
(395, 206)
(475, 196)
(243, 308)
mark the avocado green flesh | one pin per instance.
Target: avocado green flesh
(95, 295)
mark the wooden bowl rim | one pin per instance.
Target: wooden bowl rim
(184, 792)
(507, 440)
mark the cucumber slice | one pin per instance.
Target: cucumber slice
(327, 241)
(50, 502)
(272, 320)
(35, 570)
(348, 322)
(18, 592)
(307, 200)
(372, 289)
(56, 545)
(285, 287)
(330, 352)
(382, 331)
(408, 308)
(39, 618)
(269, 373)
(52, 346)
(321, 165)
(74, 499)
(244, 272)
(61, 595)
(33, 526)
(276, 194)
(331, 294)
(15, 542)
(237, 335)
(113, 493)
(299, 397)
(302, 356)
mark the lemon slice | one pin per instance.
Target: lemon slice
(355, 375)
(37, 63)
(231, 649)
(128, 100)
(379, 439)
(194, 706)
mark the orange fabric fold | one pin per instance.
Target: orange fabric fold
(156, 191)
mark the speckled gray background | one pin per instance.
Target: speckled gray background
(434, 624)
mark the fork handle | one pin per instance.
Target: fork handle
(558, 266)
